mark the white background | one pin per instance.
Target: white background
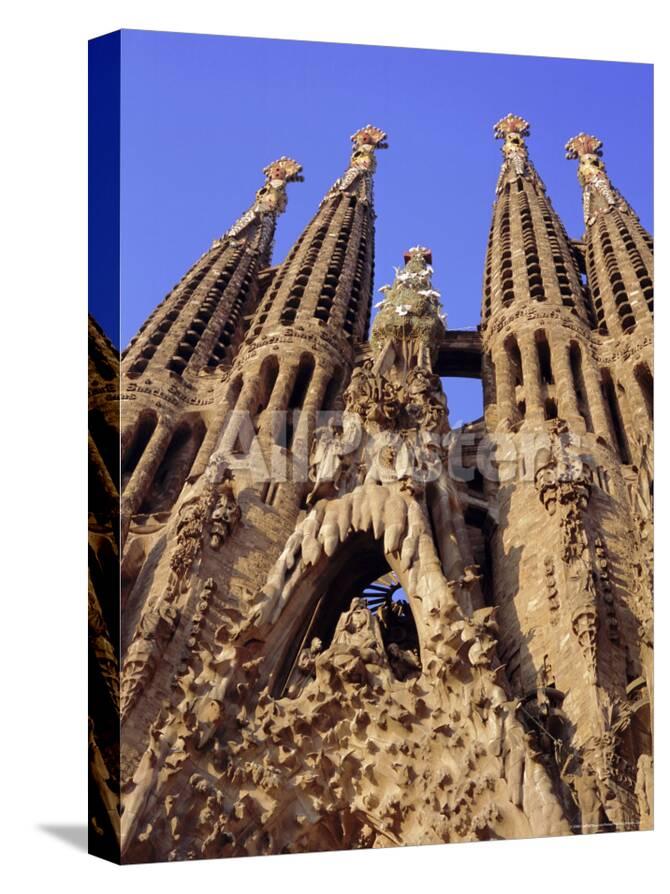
(43, 363)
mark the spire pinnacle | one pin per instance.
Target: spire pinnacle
(271, 197)
(363, 163)
(583, 144)
(599, 194)
(366, 141)
(512, 129)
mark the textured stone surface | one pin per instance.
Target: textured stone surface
(343, 623)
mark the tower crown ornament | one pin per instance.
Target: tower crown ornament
(270, 199)
(362, 164)
(286, 169)
(272, 195)
(588, 150)
(599, 194)
(583, 144)
(513, 129)
(370, 136)
(366, 141)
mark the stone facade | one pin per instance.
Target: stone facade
(343, 623)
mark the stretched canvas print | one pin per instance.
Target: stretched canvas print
(371, 447)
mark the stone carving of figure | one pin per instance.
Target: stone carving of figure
(305, 667)
(154, 631)
(479, 632)
(585, 783)
(357, 646)
(326, 464)
(423, 398)
(225, 515)
(644, 789)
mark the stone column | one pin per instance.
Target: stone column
(644, 424)
(214, 432)
(272, 424)
(244, 404)
(127, 435)
(98, 467)
(594, 395)
(281, 394)
(143, 476)
(306, 424)
(505, 396)
(631, 432)
(531, 380)
(568, 408)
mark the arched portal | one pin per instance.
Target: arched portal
(359, 570)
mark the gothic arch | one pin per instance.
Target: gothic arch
(322, 569)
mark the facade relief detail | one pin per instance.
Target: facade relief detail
(354, 624)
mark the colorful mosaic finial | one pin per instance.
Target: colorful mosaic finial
(366, 141)
(511, 124)
(270, 200)
(512, 129)
(583, 144)
(286, 169)
(599, 194)
(363, 163)
(369, 136)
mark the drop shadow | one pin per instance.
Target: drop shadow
(74, 835)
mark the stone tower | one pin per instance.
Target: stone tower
(344, 623)
(171, 370)
(574, 633)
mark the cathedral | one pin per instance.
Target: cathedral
(343, 623)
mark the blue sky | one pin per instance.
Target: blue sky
(202, 115)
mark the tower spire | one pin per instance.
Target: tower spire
(619, 251)
(326, 279)
(316, 308)
(357, 178)
(198, 323)
(197, 328)
(258, 222)
(513, 129)
(543, 374)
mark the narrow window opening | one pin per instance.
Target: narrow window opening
(298, 394)
(645, 381)
(544, 358)
(616, 419)
(550, 409)
(579, 385)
